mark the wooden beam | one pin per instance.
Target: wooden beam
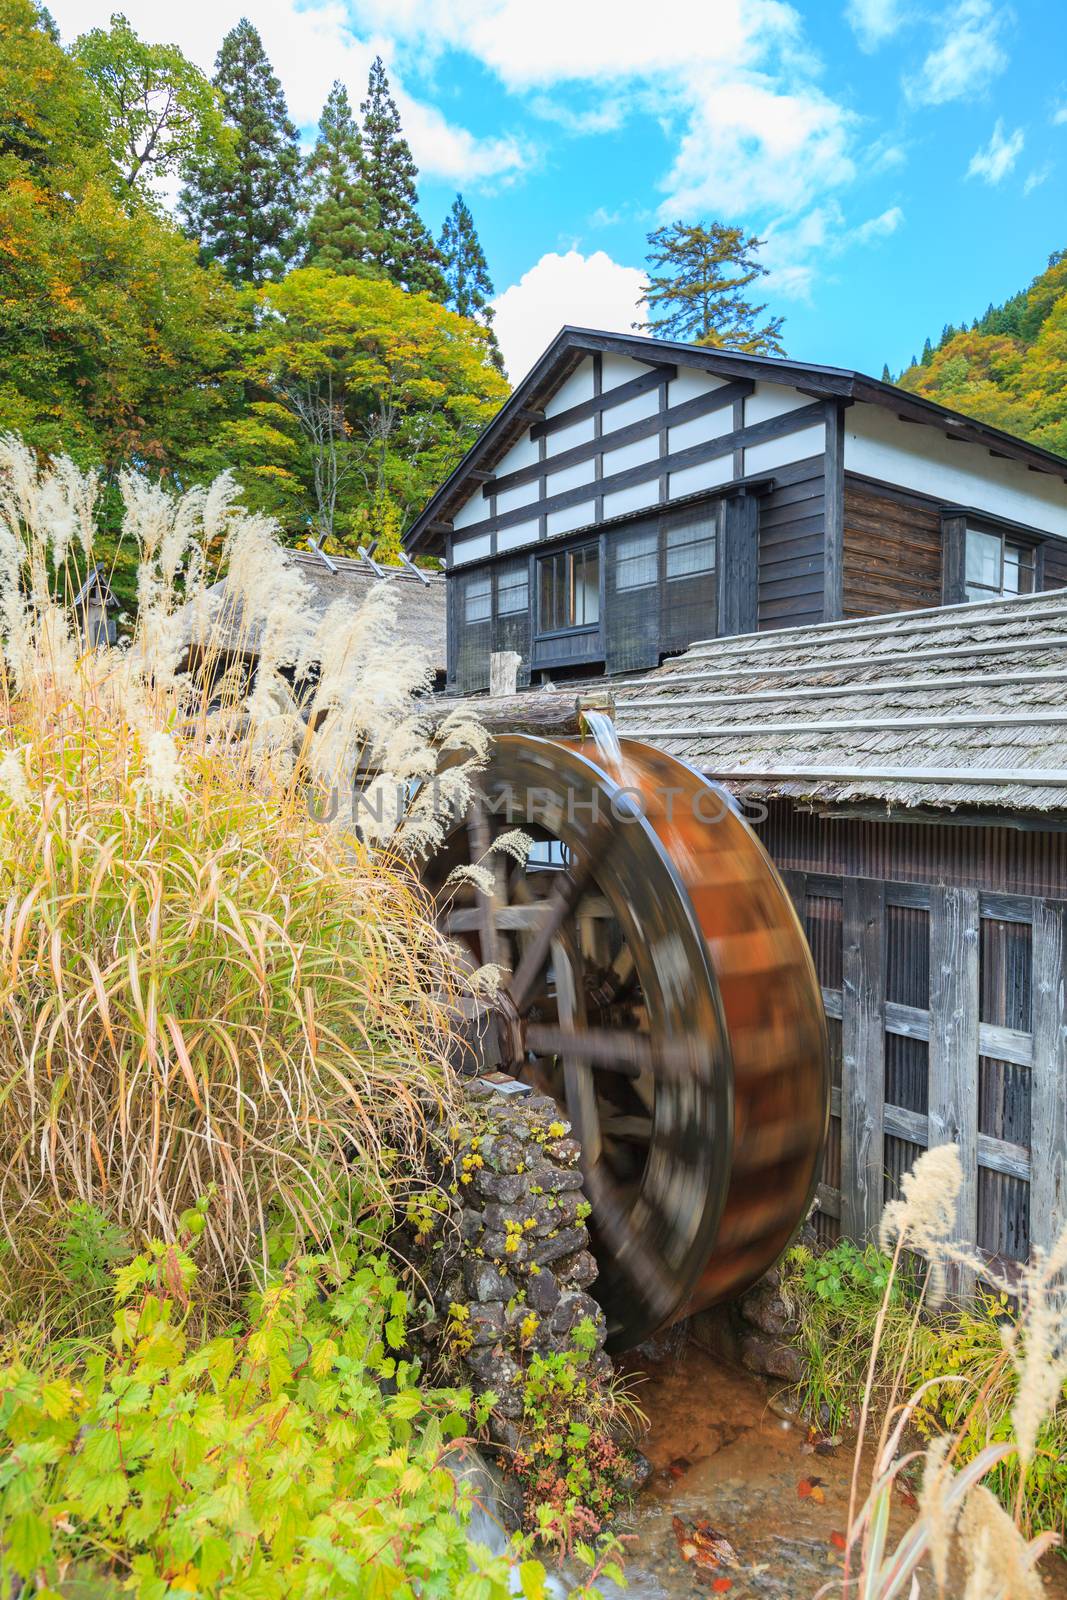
(613, 397)
(688, 411)
(953, 1064)
(695, 455)
(548, 713)
(1048, 1083)
(863, 1057)
(834, 515)
(737, 564)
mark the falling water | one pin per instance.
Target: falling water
(603, 734)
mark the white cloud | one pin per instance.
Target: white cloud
(310, 45)
(1059, 116)
(732, 82)
(994, 161)
(967, 57)
(1035, 179)
(879, 227)
(586, 291)
(797, 251)
(873, 21)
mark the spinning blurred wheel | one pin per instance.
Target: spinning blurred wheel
(657, 983)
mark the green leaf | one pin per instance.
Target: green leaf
(532, 1578)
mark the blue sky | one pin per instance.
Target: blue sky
(906, 162)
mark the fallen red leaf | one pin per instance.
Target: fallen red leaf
(811, 1489)
(679, 1466)
(721, 1585)
(838, 1540)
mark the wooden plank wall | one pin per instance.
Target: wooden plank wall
(791, 547)
(892, 552)
(983, 1063)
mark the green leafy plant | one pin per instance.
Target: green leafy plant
(573, 1469)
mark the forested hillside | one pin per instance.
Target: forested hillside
(1010, 367)
(296, 322)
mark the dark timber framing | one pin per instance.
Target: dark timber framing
(572, 345)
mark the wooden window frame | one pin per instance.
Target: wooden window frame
(568, 553)
(954, 529)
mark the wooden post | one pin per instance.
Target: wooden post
(1048, 1087)
(862, 1056)
(504, 672)
(834, 514)
(953, 1116)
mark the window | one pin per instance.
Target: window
(569, 589)
(512, 590)
(477, 601)
(691, 546)
(636, 560)
(995, 565)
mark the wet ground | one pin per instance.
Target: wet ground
(726, 1465)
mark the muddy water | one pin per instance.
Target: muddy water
(722, 1456)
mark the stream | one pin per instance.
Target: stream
(722, 1456)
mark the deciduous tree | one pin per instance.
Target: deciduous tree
(160, 111)
(409, 383)
(696, 292)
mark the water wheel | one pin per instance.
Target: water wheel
(655, 980)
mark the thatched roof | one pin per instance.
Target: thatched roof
(420, 612)
(956, 706)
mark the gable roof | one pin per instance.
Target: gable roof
(572, 345)
(420, 617)
(955, 706)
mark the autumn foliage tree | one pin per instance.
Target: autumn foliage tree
(409, 385)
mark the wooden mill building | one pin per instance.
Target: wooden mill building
(831, 596)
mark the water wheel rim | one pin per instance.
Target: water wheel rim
(648, 1262)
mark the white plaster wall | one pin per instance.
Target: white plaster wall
(566, 438)
(791, 447)
(464, 550)
(618, 369)
(631, 455)
(572, 517)
(701, 430)
(635, 410)
(633, 499)
(512, 538)
(706, 476)
(879, 445)
(476, 509)
(578, 387)
(569, 478)
(772, 400)
(690, 383)
(523, 453)
(511, 499)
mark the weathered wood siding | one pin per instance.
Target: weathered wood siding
(792, 523)
(892, 552)
(1055, 565)
(942, 965)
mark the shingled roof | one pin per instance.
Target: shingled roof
(421, 611)
(960, 706)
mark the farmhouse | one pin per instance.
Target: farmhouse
(636, 495)
(840, 592)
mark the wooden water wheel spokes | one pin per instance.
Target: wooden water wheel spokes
(617, 991)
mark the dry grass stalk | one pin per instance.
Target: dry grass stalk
(199, 985)
(956, 1510)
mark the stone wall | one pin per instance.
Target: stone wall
(510, 1273)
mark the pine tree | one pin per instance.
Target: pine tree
(887, 376)
(243, 202)
(928, 353)
(466, 270)
(404, 249)
(343, 226)
(700, 290)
